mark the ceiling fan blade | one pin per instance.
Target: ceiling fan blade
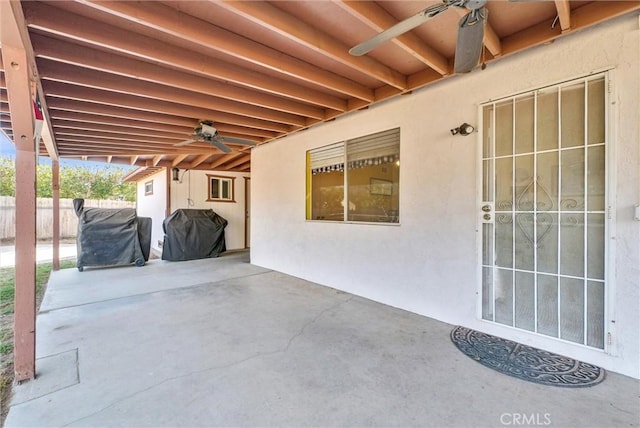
(185, 142)
(470, 37)
(238, 141)
(219, 144)
(398, 29)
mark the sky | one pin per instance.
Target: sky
(8, 150)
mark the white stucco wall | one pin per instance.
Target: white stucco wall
(428, 264)
(153, 206)
(191, 192)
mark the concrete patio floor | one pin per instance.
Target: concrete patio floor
(221, 342)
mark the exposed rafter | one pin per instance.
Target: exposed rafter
(223, 159)
(176, 161)
(47, 47)
(100, 96)
(267, 15)
(379, 19)
(564, 14)
(60, 72)
(59, 22)
(200, 159)
(168, 20)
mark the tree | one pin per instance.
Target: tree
(7, 177)
(75, 182)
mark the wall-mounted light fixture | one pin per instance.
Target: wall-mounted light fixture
(464, 129)
(175, 174)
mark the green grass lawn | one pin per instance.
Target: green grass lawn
(43, 271)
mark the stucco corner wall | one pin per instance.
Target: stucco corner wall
(153, 206)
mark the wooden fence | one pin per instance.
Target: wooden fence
(44, 216)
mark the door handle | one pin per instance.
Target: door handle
(486, 208)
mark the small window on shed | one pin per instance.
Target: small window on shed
(220, 189)
(148, 188)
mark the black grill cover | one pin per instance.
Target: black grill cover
(193, 234)
(111, 236)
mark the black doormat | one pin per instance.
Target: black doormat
(525, 362)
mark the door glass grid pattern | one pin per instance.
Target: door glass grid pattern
(543, 177)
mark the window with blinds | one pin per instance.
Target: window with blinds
(356, 180)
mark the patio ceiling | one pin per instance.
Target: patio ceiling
(124, 82)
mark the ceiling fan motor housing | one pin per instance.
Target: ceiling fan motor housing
(206, 130)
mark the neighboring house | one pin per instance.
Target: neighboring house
(553, 166)
(223, 192)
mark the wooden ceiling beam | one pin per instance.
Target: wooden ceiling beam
(200, 159)
(66, 106)
(94, 119)
(379, 19)
(239, 161)
(100, 140)
(64, 132)
(564, 14)
(64, 23)
(81, 145)
(67, 149)
(71, 53)
(93, 154)
(584, 16)
(77, 120)
(156, 159)
(72, 146)
(599, 11)
(66, 73)
(185, 166)
(125, 130)
(100, 96)
(118, 159)
(176, 161)
(269, 16)
(177, 24)
(223, 159)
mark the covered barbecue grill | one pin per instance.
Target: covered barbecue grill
(193, 234)
(111, 236)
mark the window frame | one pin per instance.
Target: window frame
(148, 188)
(221, 179)
(394, 220)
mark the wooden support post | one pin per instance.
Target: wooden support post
(169, 175)
(55, 178)
(19, 92)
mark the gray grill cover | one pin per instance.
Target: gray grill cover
(111, 236)
(193, 234)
